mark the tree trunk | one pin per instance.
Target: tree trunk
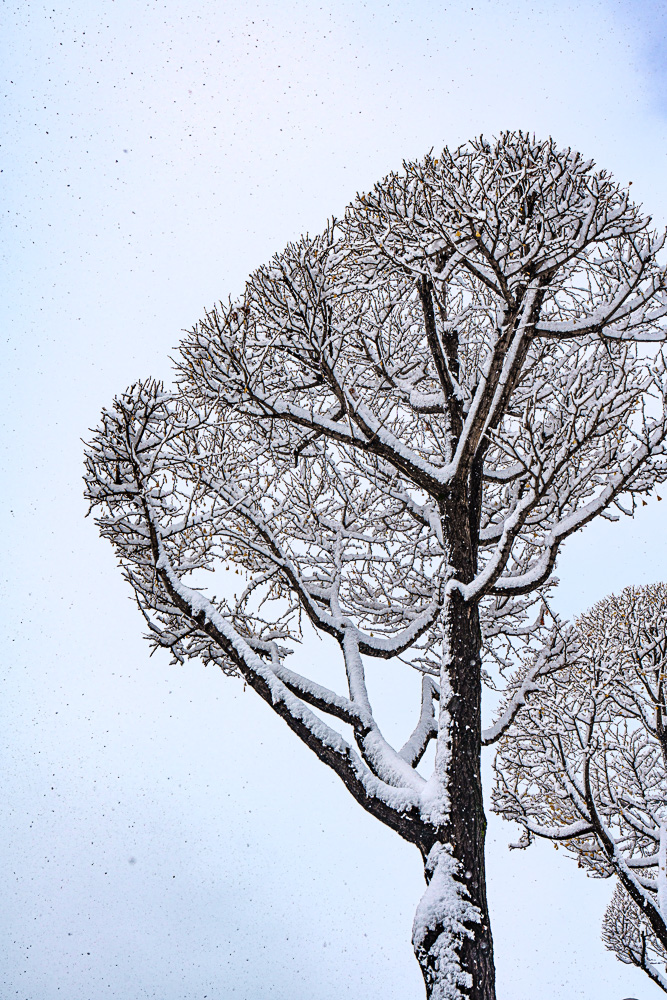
(452, 935)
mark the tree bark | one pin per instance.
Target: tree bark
(458, 768)
(467, 825)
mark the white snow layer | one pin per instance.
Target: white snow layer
(445, 906)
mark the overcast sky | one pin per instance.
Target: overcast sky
(163, 835)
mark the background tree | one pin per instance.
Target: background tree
(391, 432)
(586, 765)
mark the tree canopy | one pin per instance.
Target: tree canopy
(585, 765)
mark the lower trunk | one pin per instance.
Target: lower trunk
(452, 933)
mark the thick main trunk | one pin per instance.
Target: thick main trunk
(453, 941)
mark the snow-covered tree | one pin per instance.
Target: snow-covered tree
(391, 433)
(585, 764)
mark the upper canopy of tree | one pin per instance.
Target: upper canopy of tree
(471, 322)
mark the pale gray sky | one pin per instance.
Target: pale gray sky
(154, 152)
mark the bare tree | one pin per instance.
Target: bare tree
(586, 765)
(391, 432)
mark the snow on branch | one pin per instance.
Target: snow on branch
(552, 657)
(426, 729)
